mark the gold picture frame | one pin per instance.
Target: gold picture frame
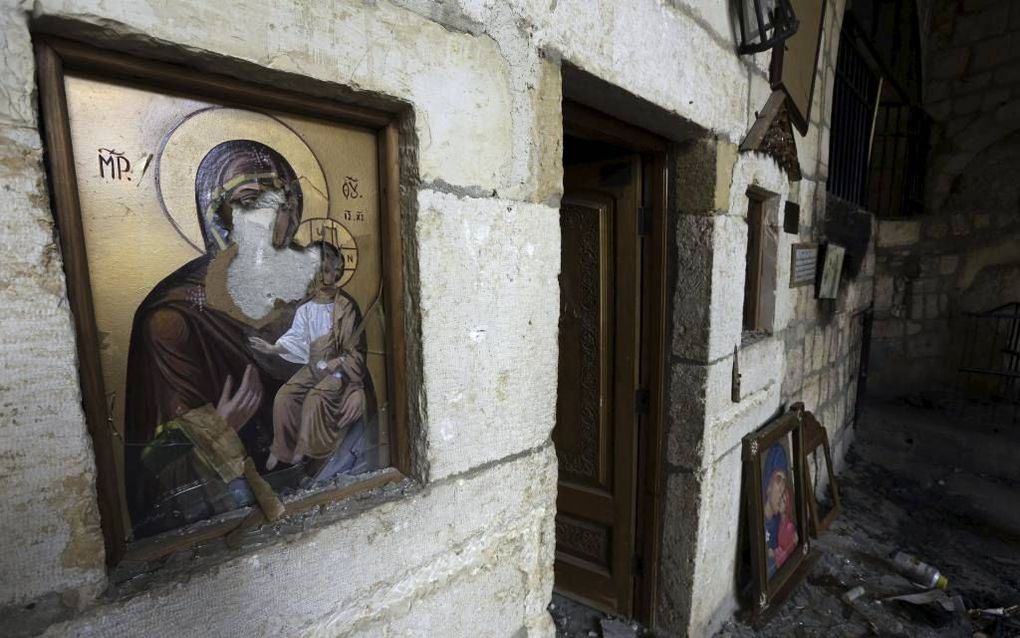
(60, 62)
(777, 516)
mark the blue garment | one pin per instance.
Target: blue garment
(775, 461)
(771, 541)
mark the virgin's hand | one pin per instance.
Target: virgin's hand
(261, 345)
(238, 407)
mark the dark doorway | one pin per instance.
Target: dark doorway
(610, 342)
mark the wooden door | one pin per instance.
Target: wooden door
(598, 401)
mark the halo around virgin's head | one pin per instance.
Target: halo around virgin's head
(184, 147)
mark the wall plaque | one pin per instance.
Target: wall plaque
(803, 264)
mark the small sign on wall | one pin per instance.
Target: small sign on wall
(828, 285)
(803, 264)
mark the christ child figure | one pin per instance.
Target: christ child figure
(313, 410)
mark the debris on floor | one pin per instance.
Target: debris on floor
(574, 620)
(918, 505)
(856, 588)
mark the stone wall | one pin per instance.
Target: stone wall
(471, 544)
(807, 354)
(961, 255)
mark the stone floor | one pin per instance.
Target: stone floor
(938, 505)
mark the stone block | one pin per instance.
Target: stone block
(730, 422)
(959, 225)
(547, 135)
(680, 538)
(17, 70)
(718, 541)
(48, 507)
(487, 394)
(967, 104)
(686, 413)
(820, 350)
(917, 306)
(704, 172)
(1006, 115)
(811, 393)
(693, 292)
(976, 27)
(794, 377)
(992, 100)
(992, 52)
(729, 264)
(459, 84)
(1007, 75)
(898, 233)
(936, 229)
(948, 264)
(937, 91)
(719, 17)
(940, 111)
(950, 64)
(928, 344)
(445, 537)
(761, 364)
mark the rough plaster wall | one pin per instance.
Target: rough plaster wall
(972, 86)
(963, 257)
(927, 267)
(483, 79)
(808, 356)
(48, 514)
(334, 581)
(479, 536)
(507, 358)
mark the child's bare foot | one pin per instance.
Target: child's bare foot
(271, 462)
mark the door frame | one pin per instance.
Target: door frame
(588, 123)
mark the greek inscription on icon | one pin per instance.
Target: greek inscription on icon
(354, 215)
(113, 165)
(350, 188)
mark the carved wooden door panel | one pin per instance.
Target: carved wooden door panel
(596, 421)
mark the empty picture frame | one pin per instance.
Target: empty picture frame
(815, 437)
(795, 60)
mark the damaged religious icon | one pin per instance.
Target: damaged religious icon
(238, 273)
(776, 526)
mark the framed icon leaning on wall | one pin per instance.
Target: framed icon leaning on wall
(234, 267)
(776, 512)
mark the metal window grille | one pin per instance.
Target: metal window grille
(989, 366)
(898, 160)
(853, 111)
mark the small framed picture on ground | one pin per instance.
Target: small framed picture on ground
(777, 518)
(823, 507)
